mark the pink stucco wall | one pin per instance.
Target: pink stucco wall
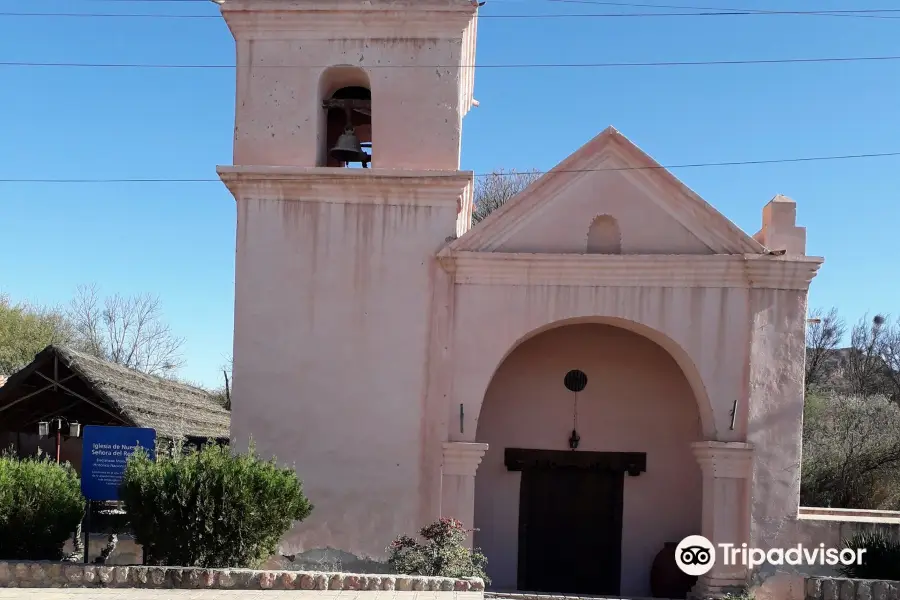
(704, 329)
(644, 227)
(336, 270)
(354, 350)
(416, 60)
(773, 417)
(368, 341)
(637, 400)
(331, 356)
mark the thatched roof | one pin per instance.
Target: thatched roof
(114, 393)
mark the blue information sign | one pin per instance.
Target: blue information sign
(105, 452)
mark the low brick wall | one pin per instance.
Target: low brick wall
(59, 575)
(834, 588)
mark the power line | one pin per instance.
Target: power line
(761, 61)
(172, 1)
(828, 13)
(506, 174)
(880, 13)
(854, 13)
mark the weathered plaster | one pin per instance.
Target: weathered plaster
(335, 335)
(603, 171)
(416, 56)
(637, 399)
(369, 343)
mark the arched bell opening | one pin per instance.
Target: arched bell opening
(347, 112)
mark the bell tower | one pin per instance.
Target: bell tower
(400, 69)
(339, 298)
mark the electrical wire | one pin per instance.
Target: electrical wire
(854, 13)
(881, 13)
(827, 13)
(761, 61)
(511, 173)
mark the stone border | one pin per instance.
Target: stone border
(554, 596)
(70, 575)
(840, 588)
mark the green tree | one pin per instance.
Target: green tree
(25, 330)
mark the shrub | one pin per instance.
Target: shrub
(880, 561)
(851, 452)
(40, 507)
(210, 508)
(443, 554)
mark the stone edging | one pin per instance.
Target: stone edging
(832, 588)
(552, 596)
(66, 575)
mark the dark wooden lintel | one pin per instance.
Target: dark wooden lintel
(348, 103)
(520, 459)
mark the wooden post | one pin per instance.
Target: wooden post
(87, 530)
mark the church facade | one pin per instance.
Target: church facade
(603, 365)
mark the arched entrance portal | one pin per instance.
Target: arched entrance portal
(594, 526)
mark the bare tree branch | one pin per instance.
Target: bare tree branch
(865, 366)
(85, 315)
(890, 354)
(823, 334)
(223, 395)
(227, 390)
(496, 189)
(129, 331)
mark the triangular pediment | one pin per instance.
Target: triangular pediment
(608, 197)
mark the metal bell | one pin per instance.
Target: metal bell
(348, 148)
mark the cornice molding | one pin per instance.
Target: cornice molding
(611, 150)
(462, 458)
(502, 223)
(248, 20)
(390, 187)
(681, 203)
(728, 460)
(635, 270)
(467, 76)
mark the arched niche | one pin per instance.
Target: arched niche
(345, 93)
(604, 236)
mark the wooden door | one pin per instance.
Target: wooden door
(570, 520)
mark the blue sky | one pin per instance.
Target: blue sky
(177, 239)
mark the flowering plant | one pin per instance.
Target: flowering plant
(443, 554)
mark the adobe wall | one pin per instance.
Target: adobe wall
(333, 313)
(636, 400)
